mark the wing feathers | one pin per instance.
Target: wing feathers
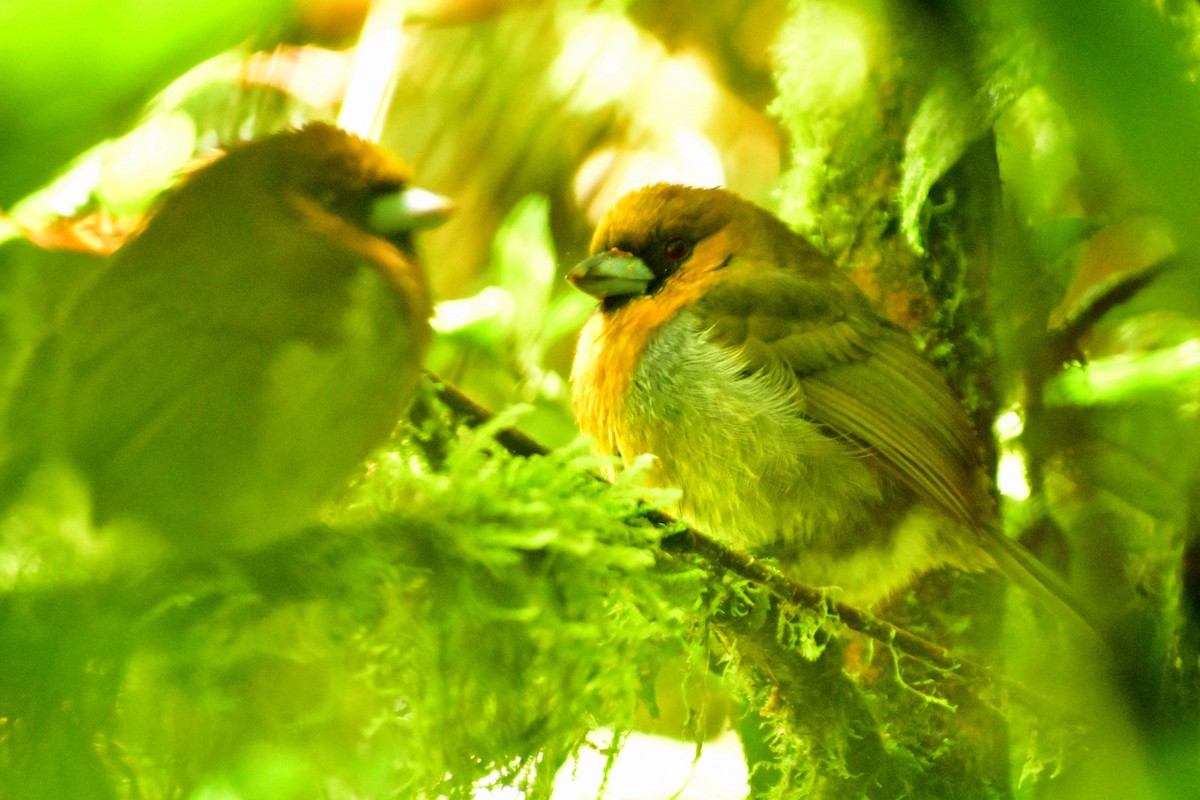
(897, 403)
(858, 377)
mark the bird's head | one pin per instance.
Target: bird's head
(681, 239)
(320, 169)
(316, 202)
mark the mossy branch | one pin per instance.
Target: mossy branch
(686, 540)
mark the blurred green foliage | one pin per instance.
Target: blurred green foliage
(438, 628)
(78, 71)
(1012, 181)
(504, 333)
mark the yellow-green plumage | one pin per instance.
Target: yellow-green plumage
(234, 362)
(796, 421)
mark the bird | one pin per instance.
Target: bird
(224, 372)
(795, 420)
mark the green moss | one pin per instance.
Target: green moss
(441, 627)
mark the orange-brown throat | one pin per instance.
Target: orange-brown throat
(613, 341)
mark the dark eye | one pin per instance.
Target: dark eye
(676, 250)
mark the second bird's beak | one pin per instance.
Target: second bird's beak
(411, 209)
(611, 274)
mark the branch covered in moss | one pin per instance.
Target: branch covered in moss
(685, 540)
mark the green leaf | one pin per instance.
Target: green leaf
(524, 258)
(1172, 370)
(1118, 68)
(955, 111)
(78, 71)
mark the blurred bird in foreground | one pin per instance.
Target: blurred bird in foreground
(797, 422)
(227, 370)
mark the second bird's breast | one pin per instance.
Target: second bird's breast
(752, 470)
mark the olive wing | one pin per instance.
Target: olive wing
(854, 374)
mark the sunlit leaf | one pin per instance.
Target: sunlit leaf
(954, 113)
(78, 71)
(1122, 378)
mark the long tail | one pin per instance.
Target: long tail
(1039, 580)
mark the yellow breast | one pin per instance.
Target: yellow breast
(612, 343)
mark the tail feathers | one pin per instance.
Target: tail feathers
(1039, 580)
